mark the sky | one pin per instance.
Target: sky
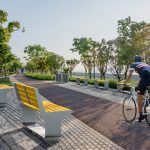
(54, 23)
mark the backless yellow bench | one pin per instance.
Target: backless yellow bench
(4, 90)
(51, 113)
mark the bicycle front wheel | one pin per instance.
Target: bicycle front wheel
(129, 109)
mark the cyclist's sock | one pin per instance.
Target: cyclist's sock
(141, 117)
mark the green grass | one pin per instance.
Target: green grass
(5, 81)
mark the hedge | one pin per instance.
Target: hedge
(112, 83)
(5, 81)
(40, 76)
(48, 76)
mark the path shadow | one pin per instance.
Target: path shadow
(17, 136)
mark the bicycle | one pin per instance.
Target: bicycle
(129, 107)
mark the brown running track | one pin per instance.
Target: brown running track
(102, 115)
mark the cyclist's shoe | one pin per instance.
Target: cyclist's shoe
(141, 117)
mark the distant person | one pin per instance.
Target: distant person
(143, 70)
(22, 70)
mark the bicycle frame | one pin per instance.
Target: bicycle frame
(146, 99)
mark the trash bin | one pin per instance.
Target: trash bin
(62, 77)
(120, 86)
(78, 81)
(96, 84)
(85, 82)
(106, 84)
(65, 77)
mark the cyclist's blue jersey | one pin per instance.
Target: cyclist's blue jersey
(141, 68)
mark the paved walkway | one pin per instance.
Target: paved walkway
(75, 134)
(99, 109)
(110, 94)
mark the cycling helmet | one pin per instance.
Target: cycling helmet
(137, 58)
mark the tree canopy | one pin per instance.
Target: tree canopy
(39, 59)
(117, 54)
(6, 30)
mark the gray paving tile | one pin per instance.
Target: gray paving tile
(75, 134)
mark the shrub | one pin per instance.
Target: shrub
(113, 84)
(92, 81)
(72, 79)
(81, 80)
(5, 81)
(40, 76)
(101, 82)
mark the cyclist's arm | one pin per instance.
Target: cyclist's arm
(129, 76)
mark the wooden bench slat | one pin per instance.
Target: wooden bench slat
(24, 99)
(30, 106)
(29, 89)
(51, 107)
(21, 94)
(30, 97)
(30, 94)
(4, 86)
(34, 103)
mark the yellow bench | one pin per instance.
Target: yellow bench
(4, 90)
(51, 113)
(4, 86)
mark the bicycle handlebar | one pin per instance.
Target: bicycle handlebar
(126, 85)
(130, 86)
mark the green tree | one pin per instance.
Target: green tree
(93, 50)
(41, 60)
(5, 57)
(126, 46)
(85, 47)
(36, 54)
(55, 62)
(14, 64)
(104, 53)
(142, 40)
(30, 66)
(6, 31)
(71, 64)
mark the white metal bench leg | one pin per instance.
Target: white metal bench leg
(52, 125)
(28, 115)
(4, 96)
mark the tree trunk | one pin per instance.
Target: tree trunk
(70, 73)
(5, 72)
(90, 73)
(125, 73)
(94, 71)
(85, 71)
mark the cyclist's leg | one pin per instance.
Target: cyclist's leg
(141, 91)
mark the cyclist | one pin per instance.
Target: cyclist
(143, 70)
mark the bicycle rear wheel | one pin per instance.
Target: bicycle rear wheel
(147, 111)
(129, 109)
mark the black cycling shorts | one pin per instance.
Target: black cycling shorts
(143, 84)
